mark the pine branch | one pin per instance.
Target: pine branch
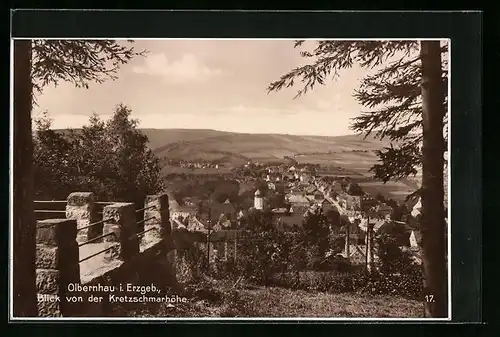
(78, 61)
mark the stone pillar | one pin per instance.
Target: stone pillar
(157, 216)
(120, 220)
(161, 211)
(81, 207)
(57, 266)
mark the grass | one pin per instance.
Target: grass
(220, 299)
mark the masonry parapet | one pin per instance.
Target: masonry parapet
(57, 266)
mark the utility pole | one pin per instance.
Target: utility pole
(369, 248)
(235, 246)
(348, 240)
(209, 221)
(367, 240)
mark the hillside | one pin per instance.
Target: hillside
(234, 148)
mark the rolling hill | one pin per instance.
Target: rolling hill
(235, 148)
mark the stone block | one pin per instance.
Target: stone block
(49, 309)
(48, 281)
(47, 257)
(56, 232)
(80, 198)
(160, 212)
(121, 219)
(81, 207)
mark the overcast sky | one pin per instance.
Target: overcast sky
(212, 84)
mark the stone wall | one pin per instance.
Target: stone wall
(126, 256)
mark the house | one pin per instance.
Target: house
(350, 201)
(417, 208)
(241, 214)
(177, 211)
(413, 240)
(297, 199)
(305, 178)
(367, 202)
(384, 211)
(195, 225)
(288, 219)
(318, 195)
(190, 201)
(337, 187)
(329, 191)
(310, 190)
(327, 206)
(299, 209)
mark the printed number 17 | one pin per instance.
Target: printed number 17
(429, 298)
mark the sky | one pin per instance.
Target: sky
(212, 84)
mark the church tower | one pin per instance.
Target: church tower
(258, 200)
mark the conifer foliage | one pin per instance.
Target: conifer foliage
(405, 96)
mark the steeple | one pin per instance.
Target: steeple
(258, 200)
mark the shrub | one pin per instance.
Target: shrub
(407, 285)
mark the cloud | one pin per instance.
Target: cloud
(243, 109)
(187, 69)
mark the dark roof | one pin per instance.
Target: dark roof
(187, 209)
(337, 188)
(311, 189)
(411, 202)
(217, 209)
(301, 209)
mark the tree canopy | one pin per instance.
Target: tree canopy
(109, 158)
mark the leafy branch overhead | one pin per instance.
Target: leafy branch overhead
(78, 61)
(391, 94)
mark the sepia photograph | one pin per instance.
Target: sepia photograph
(230, 179)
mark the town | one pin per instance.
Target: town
(290, 193)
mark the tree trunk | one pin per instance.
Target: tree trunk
(433, 217)
(24, 225)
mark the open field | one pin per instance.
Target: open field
(396, 190)
(224, 301)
